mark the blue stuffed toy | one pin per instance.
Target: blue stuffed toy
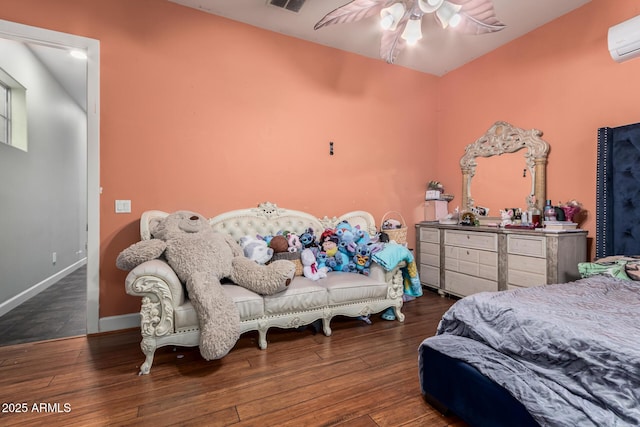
(309, 241)
(362, 259)
(346, 239)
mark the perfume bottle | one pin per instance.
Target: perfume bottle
(549, 212)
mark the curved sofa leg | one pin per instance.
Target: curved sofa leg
(399, 314)
(326, 326)
(262, 338)
(148, 346)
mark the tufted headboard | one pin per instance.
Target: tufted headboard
(267, 219)
(618, 191)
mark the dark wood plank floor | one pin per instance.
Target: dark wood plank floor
(57, 312)
(363, 375)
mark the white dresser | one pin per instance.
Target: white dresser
(462, 260)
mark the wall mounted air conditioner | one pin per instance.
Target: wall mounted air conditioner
(624, 40)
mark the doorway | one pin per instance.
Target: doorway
(66, 42)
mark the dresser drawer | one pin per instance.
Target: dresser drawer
(429, 249)
(527, 245)
(463, 285)
(430, 275)
(473, 262)
(526, 271)
(470, 239)
(432, 260)
(431, 235)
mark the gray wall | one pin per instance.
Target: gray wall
(42, 191)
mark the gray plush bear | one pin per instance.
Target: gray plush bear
(202, 257)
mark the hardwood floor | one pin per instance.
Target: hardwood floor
(361, 376)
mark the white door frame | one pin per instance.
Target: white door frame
(28, 34)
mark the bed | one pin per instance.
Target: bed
(558, 355)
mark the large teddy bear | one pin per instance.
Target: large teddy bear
(202, 257)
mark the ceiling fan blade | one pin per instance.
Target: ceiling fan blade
(392, 43)
(478, 17)
(352, 12)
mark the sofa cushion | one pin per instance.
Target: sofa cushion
(250, 306)
(350, 287)
(302, 294)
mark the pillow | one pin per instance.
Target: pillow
(631, 264)
(632, 268)
(612, 269)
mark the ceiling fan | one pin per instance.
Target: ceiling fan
(401, 20)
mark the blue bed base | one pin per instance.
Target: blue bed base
(450, 385)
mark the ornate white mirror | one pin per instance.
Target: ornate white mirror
(503, 138)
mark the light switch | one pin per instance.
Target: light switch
(123, 206)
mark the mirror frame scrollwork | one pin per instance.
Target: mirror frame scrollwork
(504, 138)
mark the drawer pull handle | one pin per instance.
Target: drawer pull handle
(467, 252)
(467, 237)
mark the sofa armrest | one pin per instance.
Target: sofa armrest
(393, 278)
(161, 292)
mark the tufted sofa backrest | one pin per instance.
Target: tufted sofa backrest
(268, 219)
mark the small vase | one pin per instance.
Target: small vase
(570, 212)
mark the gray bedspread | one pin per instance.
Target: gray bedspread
(569, 352)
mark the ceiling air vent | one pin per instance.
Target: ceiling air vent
(292, 5)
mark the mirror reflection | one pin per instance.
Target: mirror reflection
(499, 182)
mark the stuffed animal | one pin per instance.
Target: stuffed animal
(321, 259)
(256, 249)
(202, 257)
(361, 236)
(346, 239)
(294, 242)
(310, 267)
(362, 259)
(279, 244)
(506, 217)
(308, 240)
(390, 224)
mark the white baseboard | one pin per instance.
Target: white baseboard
(116, 323)
(27, 294)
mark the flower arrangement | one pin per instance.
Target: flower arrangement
(435, 185)
(571, 210)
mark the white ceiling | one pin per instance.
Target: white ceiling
(70, 72)
(439, 52)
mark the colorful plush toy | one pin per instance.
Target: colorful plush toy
(256, 249)
(346, 239)
(321, 259)
(294, 242)
(310, 267)
(362, 259)
(308, 240)
(361, 236)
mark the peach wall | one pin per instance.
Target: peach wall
(559, 79)
(202, 113)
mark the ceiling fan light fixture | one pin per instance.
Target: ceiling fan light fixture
(413, 31)
(429, 6)
(391, 16)
(448, 14)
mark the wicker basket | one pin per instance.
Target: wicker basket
(399, 235)
(290, 256)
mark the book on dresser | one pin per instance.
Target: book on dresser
(460, 261)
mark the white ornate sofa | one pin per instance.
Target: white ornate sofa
(168, 318)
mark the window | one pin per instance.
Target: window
(5, 110)
(13, 112)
